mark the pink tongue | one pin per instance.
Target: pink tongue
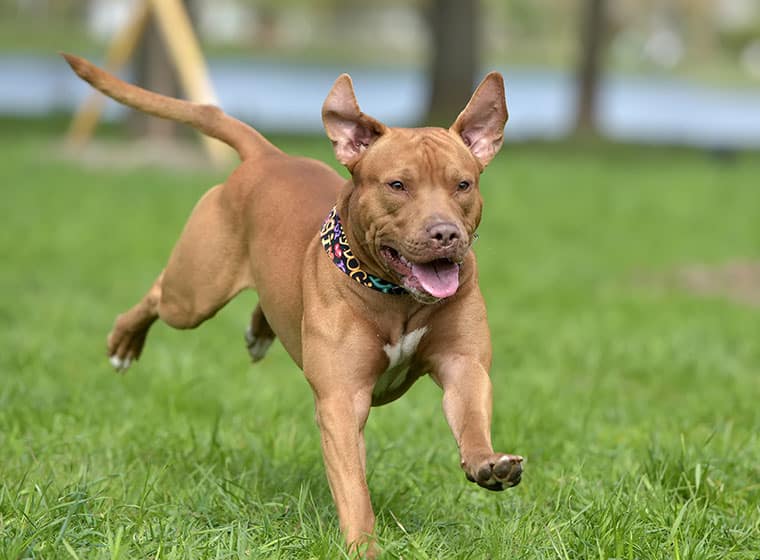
(439, 278)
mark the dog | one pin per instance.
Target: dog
(369, 283)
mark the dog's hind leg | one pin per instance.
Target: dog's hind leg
(207, 268)
(259, 335)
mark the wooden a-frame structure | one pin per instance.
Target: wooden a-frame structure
(184, 52)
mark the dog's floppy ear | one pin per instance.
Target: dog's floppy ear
(350, 131)
(481, 124)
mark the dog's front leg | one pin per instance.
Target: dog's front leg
(467, 407)
(341, 417)
(343, 397)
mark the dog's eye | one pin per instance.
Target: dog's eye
(463, 185)
(397, 185)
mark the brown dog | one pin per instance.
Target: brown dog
(389, 284)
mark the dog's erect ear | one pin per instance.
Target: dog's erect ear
(481, 124)
(350, 131)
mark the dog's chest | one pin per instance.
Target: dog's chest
(400, 357)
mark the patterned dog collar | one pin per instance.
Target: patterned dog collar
(336, 246)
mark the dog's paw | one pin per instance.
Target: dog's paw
(495, 472)
(257, 345)
(126, 340)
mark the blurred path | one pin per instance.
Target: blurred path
(287, 98)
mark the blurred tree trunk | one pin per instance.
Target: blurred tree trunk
(593, 31)
(154, 71)
(455, 57)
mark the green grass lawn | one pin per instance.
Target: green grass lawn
(634, 402)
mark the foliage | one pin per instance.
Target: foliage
(635, 403)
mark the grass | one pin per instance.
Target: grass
(635, 403)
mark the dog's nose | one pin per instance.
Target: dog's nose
(444, 234)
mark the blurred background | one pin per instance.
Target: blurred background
(649, 71)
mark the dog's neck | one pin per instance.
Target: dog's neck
(335, 242)
(355, 235)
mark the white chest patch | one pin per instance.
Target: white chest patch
(399, 359)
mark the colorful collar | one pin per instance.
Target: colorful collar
(336, 246)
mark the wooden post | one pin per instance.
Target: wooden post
(183, 47)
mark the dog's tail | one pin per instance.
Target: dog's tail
(209, 119)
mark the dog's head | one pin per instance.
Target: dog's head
(415, 202)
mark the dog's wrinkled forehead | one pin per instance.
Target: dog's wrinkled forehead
(425, 151)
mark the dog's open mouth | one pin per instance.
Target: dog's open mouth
(438, 278)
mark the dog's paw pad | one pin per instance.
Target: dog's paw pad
(257, 345)
(497, 472)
